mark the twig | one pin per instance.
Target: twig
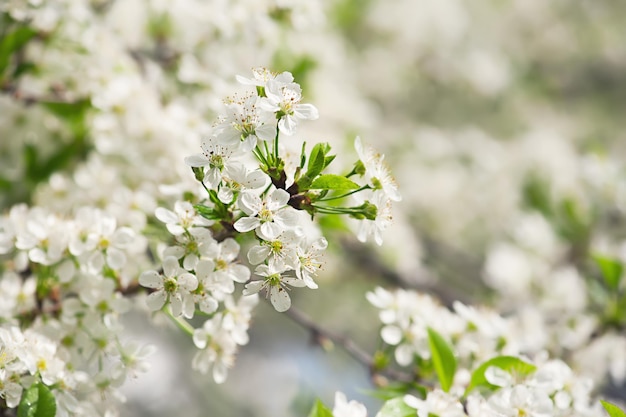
(319, 335)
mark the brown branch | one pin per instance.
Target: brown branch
(321, 336)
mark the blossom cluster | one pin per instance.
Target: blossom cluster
(488, 369)
(65, 285)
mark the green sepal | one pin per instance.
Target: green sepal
(37, 401)
(443, 359)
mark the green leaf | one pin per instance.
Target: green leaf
(333, 182)
(317, 160)
(207, 212)
(612, 409)
(37, 401)
(443, 359)
(510, 364)
(611, 269)
(12, 42)
(396, 408)
(320, 410)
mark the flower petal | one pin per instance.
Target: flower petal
(156, 300)
(245, 224)
(280, 299)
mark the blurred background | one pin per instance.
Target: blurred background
(502, 121)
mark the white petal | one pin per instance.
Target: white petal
(229, 249)
(256, 179)
(165, 215)
(189, 307)
(115, 258)
(404, 355)
(220, 371)
(287, 125)
(176, 305)
(208, 305)
(190, 261)
(123, 236)
(156, 300)
(197, 160)
(245, 224)
(250, 203)
(279, 198)
(188, 282)
(170, 266)
(280, 299)
(212, 178)
(239, 273)
(258, 254)
(151, 279)
(253, 287)
(294, 282)
(392, 335)
(266, 132)
(175, 251)
(307, 111)
(269, 231)
(204, 268)
(200, 338)
(225, 195)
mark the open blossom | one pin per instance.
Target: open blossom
(374, 228)
(174, 286)
(284, 100)
(343, 408)
(376, 171)
(181, 219)
(236, 178)
(246, 122)
(269, 217)
(275, 284)
(215, 157)
(261, 75)
(307, 262)
(437, 403)
(217, 349)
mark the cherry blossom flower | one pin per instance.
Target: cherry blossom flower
(284, 100)
(246, 122)
(181, 219)
(269, 217)
(376, 171)
(174, 286)
(343, 408)
(275, 285)
(217, 349)
(216, 156)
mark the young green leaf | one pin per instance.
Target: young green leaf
(12, 42)
(444, 361)
(612, 409)
(317, 160)
(320, 410)
(510, 364)
(333, 182)
(611, 270)
(396, 408)
(37, 401)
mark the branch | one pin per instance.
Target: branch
(321, 336)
